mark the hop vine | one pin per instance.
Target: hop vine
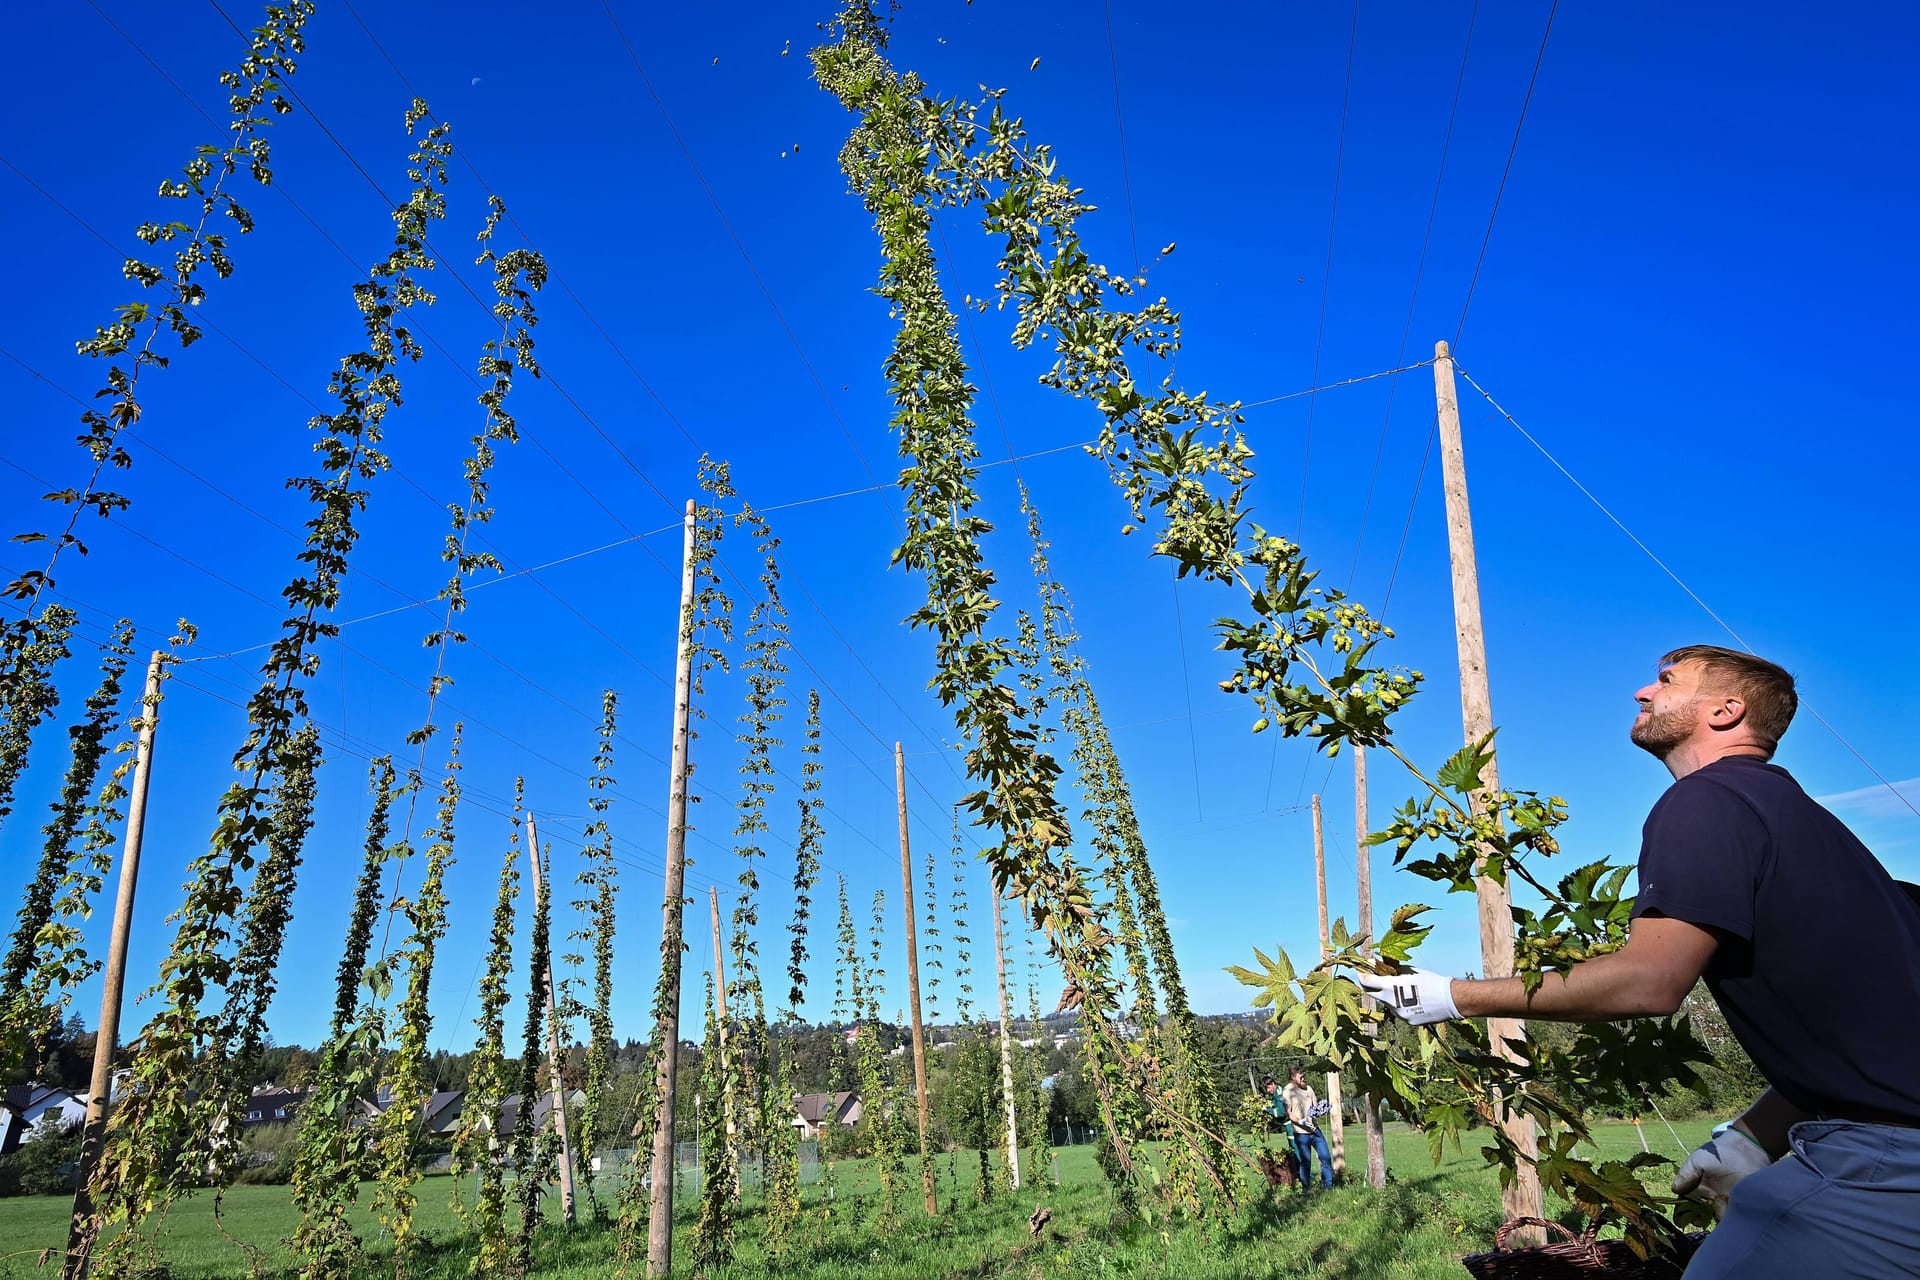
(479, 1149)
(330, 1158)
(163, 1117)
(599, 881)
(46, 954)
(397, 1130)
(254, 98)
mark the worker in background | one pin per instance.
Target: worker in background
(1811, 949)
(1307, 1138)
(1277, 1122)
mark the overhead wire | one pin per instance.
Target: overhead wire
(1426, 454)
(1413, 298)
(311, 405)
(1326, 271)
(561, 390)
(1677, 580)
(1173, 587)
(1513, 149)
(1406, 334)
(655, 395)
(554, 274)
(739, 245)
(1319, 343)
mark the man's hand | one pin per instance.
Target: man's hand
(1723, 1160)
(1418, 995)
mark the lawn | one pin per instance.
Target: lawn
(1416, 1229)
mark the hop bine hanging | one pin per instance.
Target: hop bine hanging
(407, 1084)
(253, 98)
(30, 649)
(167, 1132)
(886, 162)
(46, 955)
(479, 1147)
(1304, 657)
(532, 1156)
(599, 882)
(330, 1157)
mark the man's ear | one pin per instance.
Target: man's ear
(1730, 714)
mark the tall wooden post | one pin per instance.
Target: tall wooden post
(106, 1039)
(1336, 1114)
(553, 1046)
(1006, 1046)
(1363, 872)
(720, 1028)
(913, 982)
(667, 1034)
(1522, 1198)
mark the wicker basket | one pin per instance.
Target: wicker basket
(1583, 1257)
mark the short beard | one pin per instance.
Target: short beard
(1662, 732)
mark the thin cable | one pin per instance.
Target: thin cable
(548, 376)
(1679, 582)
(1186, 691)
(515, 570)
(156, 544)
(1326, 273)
(202, 112)
(1419, 275)
(1406, 526)
(553, 272)
(1319, 343)
(431, 340)
(1334, 386)
(1173, 587)
(446, 263)
(1512, 149)
(1120, 127)
(765, 290)
(1678, 1145)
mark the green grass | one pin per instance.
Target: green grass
(1416, 1229)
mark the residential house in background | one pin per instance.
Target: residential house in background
(542, 1115)
(273, 1104)
(24, 1106)
(815, 1111)
(439, 1110)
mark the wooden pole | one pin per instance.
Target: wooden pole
(553, 1047)
(106, 1039)
(1363, 873)
(720, 1027)
(1522, 1199)
(667, 1034)
(1336, 1115)
(1320, 873)
(913, 982)
(1006, 1047)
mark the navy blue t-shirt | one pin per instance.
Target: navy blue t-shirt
(1818, 972)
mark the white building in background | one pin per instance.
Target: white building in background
(25, 1106)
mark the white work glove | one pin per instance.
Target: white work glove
(1419, 996)
(1723, 1160)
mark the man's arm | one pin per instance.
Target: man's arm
(1649, 976)
(1738, 1151)
(1768, 1120)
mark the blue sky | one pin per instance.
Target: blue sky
(1692, 297)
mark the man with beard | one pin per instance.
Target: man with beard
(1812, 951)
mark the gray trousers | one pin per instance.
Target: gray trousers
(1847, 1206)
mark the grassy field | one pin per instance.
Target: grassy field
(1416, 1229)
